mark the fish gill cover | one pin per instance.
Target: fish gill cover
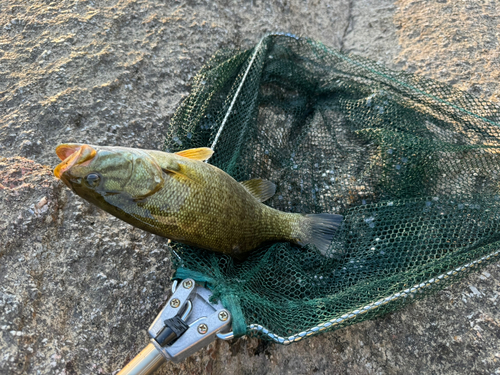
(412, 164)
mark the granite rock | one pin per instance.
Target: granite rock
(79, 288)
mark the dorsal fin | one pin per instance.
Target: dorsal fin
(201, 153)
(261, 189)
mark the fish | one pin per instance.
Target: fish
(182, 197)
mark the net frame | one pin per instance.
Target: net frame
(397, 299)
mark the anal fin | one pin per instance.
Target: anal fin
(261, 189)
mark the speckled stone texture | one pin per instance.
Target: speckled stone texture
(79, 288)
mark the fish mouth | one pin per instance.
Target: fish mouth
(72, 154)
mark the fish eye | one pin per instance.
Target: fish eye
(93, 179)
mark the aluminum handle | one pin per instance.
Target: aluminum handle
(144, 363)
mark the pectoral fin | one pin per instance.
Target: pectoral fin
(261, 189)
(171, 166)
(201, 153)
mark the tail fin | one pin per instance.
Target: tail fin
(319, 229)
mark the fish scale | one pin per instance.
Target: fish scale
(179, 196)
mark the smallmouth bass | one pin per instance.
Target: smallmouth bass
(179, 196)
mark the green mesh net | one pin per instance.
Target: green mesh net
(412, 164)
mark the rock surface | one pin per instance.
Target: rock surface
(78, 288)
